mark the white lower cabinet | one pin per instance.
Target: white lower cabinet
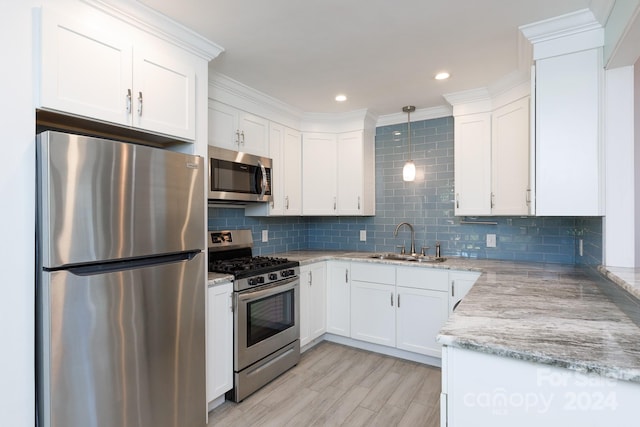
(338, 298)
(420, 315)
(313, 297)
(422, 308)
(401, 307)
(373, 312)
(219, 340)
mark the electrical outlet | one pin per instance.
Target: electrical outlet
(363, 235)
(491, 240)
(265, 236)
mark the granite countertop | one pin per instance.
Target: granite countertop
(560, 315)
(217, 278)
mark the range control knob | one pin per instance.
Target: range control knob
(252, 282)
(260, 279)
(273, 276)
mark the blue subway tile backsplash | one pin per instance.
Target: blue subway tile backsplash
(427, 203)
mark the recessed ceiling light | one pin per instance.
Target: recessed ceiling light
(341, 98)
(442, 76)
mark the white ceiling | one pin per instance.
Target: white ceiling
(382, 54)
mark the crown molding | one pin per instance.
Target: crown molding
(561, 26)
(338, 122)
(229, 91)
(159, 25)
(420, 114)
(564, 34)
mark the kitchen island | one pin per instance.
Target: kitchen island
(534, 343)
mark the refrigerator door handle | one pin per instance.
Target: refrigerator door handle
(111, 267)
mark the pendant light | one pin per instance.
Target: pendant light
(409, 169)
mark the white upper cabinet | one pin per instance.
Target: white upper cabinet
(492, 152)
(569, 76)
(85, 69)
(292, 171)
(356, 163)
(237, 130)
(112, 72)
(319, 174)
(164, 91)
(569, 158)
(472, 164)
(510, 151)
(338, 173)
(285, 150)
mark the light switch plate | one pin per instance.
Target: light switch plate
(265, 236)
(363, 235)
(491, 240)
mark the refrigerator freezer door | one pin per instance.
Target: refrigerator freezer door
(105, 200)
(124, 348)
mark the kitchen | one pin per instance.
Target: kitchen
(18, 182)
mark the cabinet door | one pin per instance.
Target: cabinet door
(338, 298)
(350, 173)
(292, 166)
(420, 315)
(164, 94)
(319, 174)
(254, 134)
(461, 283)
(373, 313)
(223, 126)
(568, 148)
(278, 179)
(85, 69)
(219, 340)
(510, 158)
(312, 302)
(472, 164)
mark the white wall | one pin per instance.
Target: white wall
(620, 227)
(17, 185)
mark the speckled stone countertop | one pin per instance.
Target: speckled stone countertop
(217, 278)
(560, 315)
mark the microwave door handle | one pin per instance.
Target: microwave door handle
(264, 179)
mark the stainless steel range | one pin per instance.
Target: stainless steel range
(266, 322)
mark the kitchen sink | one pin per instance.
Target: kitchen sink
(407, 257)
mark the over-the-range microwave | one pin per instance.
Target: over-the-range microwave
(238, 177)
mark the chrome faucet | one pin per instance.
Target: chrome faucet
(413, 235)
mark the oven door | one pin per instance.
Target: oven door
(265, 320)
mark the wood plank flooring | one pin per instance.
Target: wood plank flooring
(336, 385)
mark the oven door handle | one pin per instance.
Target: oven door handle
(274, 288)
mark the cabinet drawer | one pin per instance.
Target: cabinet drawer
(423, 278)
(374, 273)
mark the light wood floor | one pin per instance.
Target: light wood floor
(336, 385)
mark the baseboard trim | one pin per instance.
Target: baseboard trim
(376, 348)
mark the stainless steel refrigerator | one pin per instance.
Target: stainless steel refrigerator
(121, 285)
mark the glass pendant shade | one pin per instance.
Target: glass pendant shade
(409, 171)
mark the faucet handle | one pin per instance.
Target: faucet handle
(402, 249)
(424, 250)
